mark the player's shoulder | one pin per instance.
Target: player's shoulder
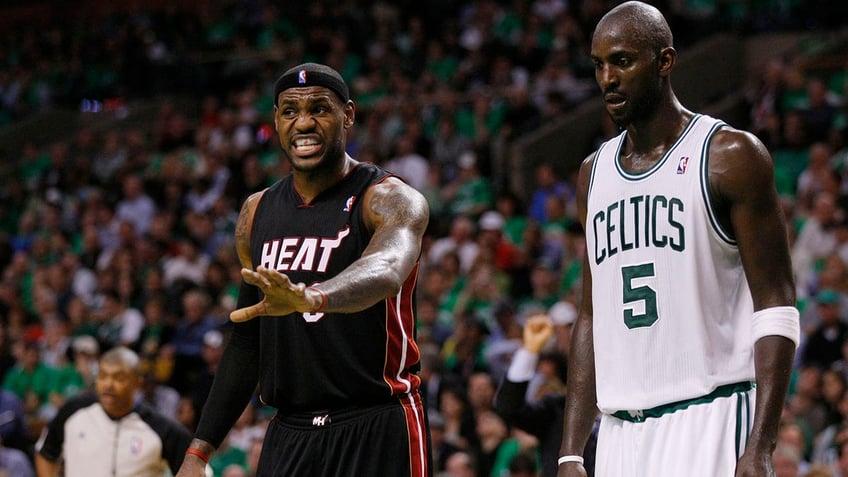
(610, 145)
(244, 226)
(253, 199)
(392, 184)
(584, 172)
(250, 205)
(729, 142)
(393, 188)
(739, 163)
(393, 201)
(590, 159)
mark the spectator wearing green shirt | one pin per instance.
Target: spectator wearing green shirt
(544, 285)
(30, 375)
(470, 193)
(515, 222)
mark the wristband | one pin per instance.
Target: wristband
(570, 458)
(776, 321)
(323, 299)
(199, 453)
(523, 366)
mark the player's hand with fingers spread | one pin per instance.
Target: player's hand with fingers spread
(281, 296)
(537, 331)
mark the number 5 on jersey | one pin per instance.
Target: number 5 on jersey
(635, 294)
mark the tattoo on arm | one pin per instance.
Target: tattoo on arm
(243, 229)
(241, 226)
(397, 218)
(394, 209)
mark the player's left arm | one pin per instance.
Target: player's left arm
(397, 215)
(742, 184)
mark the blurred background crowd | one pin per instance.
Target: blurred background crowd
(118, 232)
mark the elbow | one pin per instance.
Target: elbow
(378, 277)
(391, 283)
(391, 277)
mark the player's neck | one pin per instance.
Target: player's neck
(311, 183)
(660, 131)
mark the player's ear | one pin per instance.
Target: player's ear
(349, 114)
(665, 60)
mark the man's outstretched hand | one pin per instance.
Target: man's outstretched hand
(281, 296)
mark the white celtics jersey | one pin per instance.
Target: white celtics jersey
(672, 308)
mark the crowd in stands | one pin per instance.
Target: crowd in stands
(125, 236)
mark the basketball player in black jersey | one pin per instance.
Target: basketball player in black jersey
(325, 321)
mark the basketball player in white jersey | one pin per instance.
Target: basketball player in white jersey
(687, 328)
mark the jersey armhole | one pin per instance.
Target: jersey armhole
(592, 171)
(724, 234)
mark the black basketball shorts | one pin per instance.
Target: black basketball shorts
(389, 439)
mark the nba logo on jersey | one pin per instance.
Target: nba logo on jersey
(135, 445)
(349, 203)
(681, 165)
(301, 77)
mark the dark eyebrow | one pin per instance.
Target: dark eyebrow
(615, 55)
(312, 100)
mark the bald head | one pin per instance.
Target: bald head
(642, 23)
(633, 56)
(123, 357)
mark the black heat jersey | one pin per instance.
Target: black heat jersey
(321, 361)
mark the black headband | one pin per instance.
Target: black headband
(312, 74)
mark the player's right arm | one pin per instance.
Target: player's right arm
(580, 397)
(238, 371)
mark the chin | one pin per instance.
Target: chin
(304, 163)
(307, 165)
(620, 120)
